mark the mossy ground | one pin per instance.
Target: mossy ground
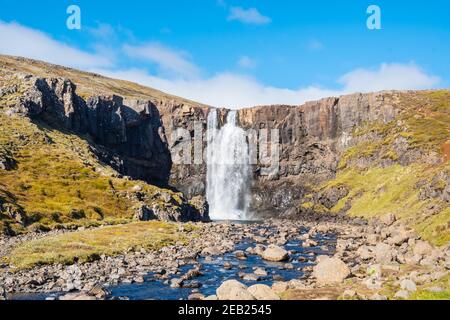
(88, 245)
(381, 187)
(58, 182)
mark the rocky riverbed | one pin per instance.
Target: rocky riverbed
(324, 257)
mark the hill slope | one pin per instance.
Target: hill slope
(70, 150)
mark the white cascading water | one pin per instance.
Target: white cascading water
(228, 169)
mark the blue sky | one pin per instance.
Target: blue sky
(241, 53)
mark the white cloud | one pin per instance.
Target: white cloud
(250, 16)
(18, 40)
(102, 31)
(166, 58)
(222, 89)
(237, 91)
(246, 62)
(393, 76)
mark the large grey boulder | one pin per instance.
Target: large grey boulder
(422, 248)
(330, 271)
(233, 290)
(275, 253)
(383, 253)
(263, 292)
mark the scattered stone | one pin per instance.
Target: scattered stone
(211, 251)
(288, 266)
(250, 277)
(383, 253)
(388, 219)
(279, 287)
(176, 283)
(275, 253)
(98, 291)
(349, 294)
(422, 248)
(240, 255)
(263, 292)
(260, 272)
(77, 296)
(331, 271)
(233, 290)
(402, 294)
(378, 297)
(408, 285)
(364, 253)
(196, 296)
(227, 266)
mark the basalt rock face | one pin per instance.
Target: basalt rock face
(149, 140)
(311, 137)
(186, 130)
(127, 134)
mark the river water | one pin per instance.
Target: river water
(213, 272)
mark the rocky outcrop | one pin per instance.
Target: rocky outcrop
(126, 134)
(311, 137)
(140, 139)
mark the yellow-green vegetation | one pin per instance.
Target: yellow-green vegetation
(380, 185)
(423, 120)
(429, 127)
(58, 181)
(88, 245)
(89, 84)
(377, 191)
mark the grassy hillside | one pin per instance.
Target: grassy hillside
(392, 165)
(89, 84)
(57, 181)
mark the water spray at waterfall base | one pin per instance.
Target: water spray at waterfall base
(228, 169)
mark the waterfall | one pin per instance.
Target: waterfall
(228, 169)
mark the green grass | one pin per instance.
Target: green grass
(377, 191)
(378, 186)
(59, 182)
(423, 294)
(88, 245)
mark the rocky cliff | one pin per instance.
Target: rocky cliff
(361, 154)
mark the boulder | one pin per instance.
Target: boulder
(383, 253)
(196, 297)
(263, 292)
(260, 272)
(422, 248)
(77, 296)
(233, 290)
(279, 287)
(330, 271)
(408, 285)
(211, 251)
(240, 255)
(2, 293)
(388, 219)
(402, 294)
(275, 253)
